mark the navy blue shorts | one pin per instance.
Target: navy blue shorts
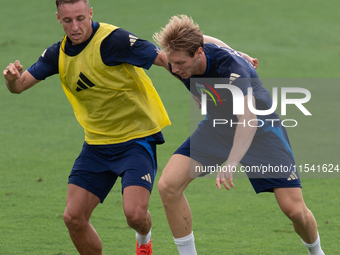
(98, 166)
(269, 162)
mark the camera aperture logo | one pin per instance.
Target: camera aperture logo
(202, 88)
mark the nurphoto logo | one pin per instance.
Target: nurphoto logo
(209, 92)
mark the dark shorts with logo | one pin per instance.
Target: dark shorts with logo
(98, 166)
(269, 162)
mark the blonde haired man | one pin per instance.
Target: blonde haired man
(250, 145)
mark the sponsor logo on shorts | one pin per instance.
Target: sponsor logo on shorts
(147, 177)
(293, 176)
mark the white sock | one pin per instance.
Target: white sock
(143, 239)
(186, 245)
(314, 248)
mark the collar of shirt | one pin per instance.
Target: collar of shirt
(73, 50)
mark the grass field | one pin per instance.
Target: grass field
(40, 138)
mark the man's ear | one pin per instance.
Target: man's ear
(91, 12)
(199, 52)
(58, 17)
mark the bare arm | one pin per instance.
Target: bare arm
(18, 81)
(243, 138)
(210, 39)
(161, 60)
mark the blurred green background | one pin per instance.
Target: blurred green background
(40, 138)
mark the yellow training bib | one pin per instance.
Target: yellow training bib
(113, 104)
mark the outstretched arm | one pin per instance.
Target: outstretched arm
(18, 81)
(243, 138)
(210, 39)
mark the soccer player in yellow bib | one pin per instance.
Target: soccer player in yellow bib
(100, 68)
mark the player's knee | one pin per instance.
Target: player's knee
(135, 217)
(295, 213)
(167, 190)
(73, 222)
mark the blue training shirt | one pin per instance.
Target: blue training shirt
(226, 63)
